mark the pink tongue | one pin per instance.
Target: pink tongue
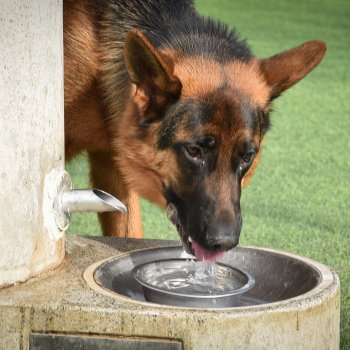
(204, 254)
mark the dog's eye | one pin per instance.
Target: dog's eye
(247, 158)
(194, 152)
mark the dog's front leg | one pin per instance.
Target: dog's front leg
(106, 176)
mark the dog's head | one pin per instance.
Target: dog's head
(192, 133)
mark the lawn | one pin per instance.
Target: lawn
(299, 198)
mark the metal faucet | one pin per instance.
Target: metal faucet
(68, 201)
(90, 200)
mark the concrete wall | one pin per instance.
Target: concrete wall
(31, 136)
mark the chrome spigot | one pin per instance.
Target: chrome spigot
(68, 201)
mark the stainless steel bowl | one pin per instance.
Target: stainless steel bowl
(223, 287)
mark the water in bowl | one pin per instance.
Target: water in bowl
(192, 277)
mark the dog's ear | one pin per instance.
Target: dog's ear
(287, 68)
(151, 73)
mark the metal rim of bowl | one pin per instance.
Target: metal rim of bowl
(247, 286)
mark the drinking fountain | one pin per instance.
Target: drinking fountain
(73, 292)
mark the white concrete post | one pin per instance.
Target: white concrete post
(31, 136)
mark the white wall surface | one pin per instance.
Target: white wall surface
(31, 136)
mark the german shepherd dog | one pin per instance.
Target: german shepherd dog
(173, 107)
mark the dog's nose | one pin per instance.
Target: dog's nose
(223, 242)
(223, 233)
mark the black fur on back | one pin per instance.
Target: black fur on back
(176, 24)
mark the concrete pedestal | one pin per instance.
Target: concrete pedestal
(31, 136)
(60, 308)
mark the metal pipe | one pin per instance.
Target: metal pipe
(67, 201)
(90, 200)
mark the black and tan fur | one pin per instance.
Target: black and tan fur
(170, 106)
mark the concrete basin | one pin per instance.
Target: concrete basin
(294, 303)
(66, 307)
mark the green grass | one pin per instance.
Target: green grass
(299, 198)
